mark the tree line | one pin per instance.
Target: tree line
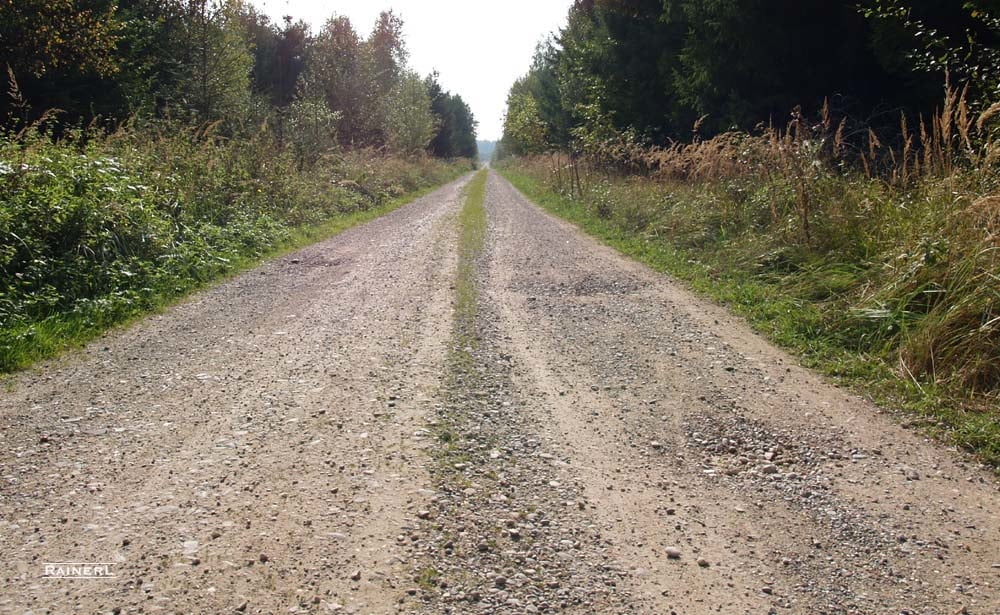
(676, 70)
(223, 63)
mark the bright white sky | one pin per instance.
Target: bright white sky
(479, 46)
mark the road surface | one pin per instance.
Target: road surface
(326, 434)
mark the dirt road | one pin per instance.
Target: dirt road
(329, 434)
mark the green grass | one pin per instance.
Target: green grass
(803, 299)
(462, 375)
(472, 235)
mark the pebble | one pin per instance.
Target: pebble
(673, 552)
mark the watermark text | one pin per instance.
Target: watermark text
(77, 570)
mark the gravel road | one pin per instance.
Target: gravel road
(328, 434)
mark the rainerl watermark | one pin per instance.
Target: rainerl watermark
(77, 570)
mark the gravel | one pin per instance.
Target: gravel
(324, 435)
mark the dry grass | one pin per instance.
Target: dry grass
(916, 223)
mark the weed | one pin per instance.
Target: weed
(893, 290)
(96, 231)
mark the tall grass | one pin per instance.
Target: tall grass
(878, 263)
(96, 229)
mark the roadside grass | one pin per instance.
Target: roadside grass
(854, 309)
(56, 334)
(99, 234)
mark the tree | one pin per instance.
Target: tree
(410, 125)
(214, 78)
(962, 39)
(384, 62)
(335, 65)
(355, 76)
(38, 36)
(278, 55)
(653, 69)
(523, 128)
(62, 54)
(456, 133)
(542, 84)
(463, 132)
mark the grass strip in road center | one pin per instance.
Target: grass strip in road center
(472, 237)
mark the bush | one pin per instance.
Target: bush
(96, 229)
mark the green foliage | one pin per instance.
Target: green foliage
(523, 128)
(456, 132)
(410, 123)
(279, 55)
(222, 63)
(213, 78)
(213, 138)
(40, 36)
(95, 231)
(961, 38)
(311, 129)
(659, 67)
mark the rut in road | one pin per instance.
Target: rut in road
(609, 420)
(348, 429)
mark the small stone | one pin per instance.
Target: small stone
(356, 576)
(655, 444)
(500, 582)
(242, 607)
(673, 552)
(424, 514)
(264, 558)
(703, 562)
(769, 469)
(767, 589)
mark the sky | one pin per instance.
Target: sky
(479, 47)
